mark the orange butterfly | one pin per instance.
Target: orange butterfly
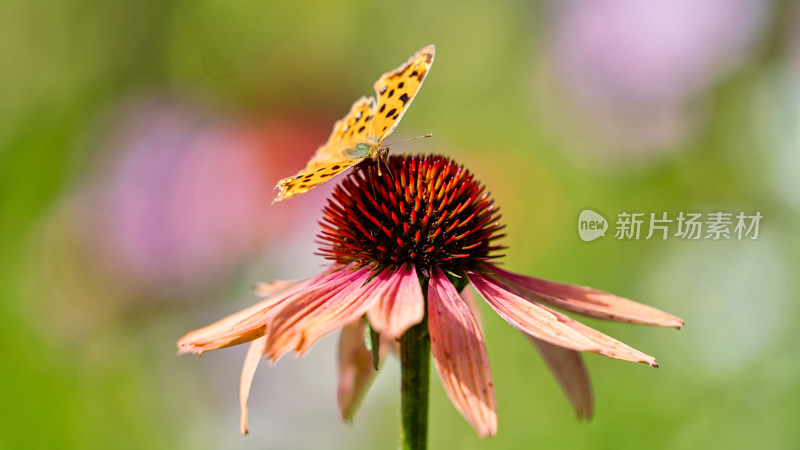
(360, 134)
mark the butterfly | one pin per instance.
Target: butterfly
(360, 134)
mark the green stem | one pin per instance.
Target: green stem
(415, 361)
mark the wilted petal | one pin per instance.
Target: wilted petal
(298, 324)
(254, 354)
(570, 372)
(245, 325)
(552, 326)
(584, 300)
(355, 368)
(460, 355)
(399, 304)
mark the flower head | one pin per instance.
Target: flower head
(425, 211)
(405, 237)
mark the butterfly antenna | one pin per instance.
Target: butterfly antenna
(411, 139)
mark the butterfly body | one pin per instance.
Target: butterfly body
(360, 134)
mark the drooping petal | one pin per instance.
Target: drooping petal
(529, 317)
(584, 300)
(552, 326)
(218, 334)
(254, 354)
(273, 287)
(298, 324)
(608, 346)
(399, 304)
(247, 324)
(355, 369)
(460, 355)
(468, 296)
(570, 372)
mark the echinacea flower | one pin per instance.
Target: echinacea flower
(404, 243)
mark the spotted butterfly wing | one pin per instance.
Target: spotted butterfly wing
(337, 155)
(351, 130)
(360, 133)
(307, 179)
(396, 90)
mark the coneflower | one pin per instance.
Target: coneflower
(405, 239)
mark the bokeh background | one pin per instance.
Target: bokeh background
(140, 141)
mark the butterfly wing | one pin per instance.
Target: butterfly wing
(307, 179)
(368, 122)
(337, 154)
(353, 129)
(396, 90)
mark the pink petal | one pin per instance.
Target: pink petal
(468, 296)
(355, 369)
(247, 324)
(228, 331)
(388, 346)
(529, 317)
(584, 300)
(254, 354)
(275, 287)
(272, 288)
(570, 372)
(551, 326)
(298, 324)
(608, 346)
(399, 304)
(460, 355)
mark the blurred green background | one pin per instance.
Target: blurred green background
(139, 143)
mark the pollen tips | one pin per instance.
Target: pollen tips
(416, 211)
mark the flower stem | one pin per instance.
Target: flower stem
(415, 361)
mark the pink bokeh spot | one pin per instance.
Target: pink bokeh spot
(183, 198)
(653, 52)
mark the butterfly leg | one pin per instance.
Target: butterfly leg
(381, 156)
